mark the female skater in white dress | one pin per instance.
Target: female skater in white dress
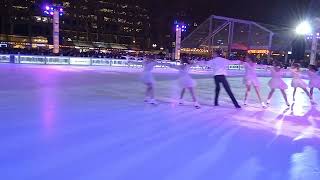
(148, 79)
(297, 81)
(186, 82)
(251, 79)
(276, 82)
(314, 79)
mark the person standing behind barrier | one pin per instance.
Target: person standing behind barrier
(219, 66)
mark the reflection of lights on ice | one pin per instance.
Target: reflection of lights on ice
(305, 165)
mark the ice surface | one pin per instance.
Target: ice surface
(90, 123)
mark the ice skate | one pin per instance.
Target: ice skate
(153, 102)
(181, 102)
(197, 105)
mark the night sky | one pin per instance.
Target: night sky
(278, 12)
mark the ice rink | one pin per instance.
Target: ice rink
(90, 123)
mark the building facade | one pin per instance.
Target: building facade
(92, 23)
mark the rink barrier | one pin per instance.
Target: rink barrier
(87, 61)
(4, 58)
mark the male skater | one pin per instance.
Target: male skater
(220, 65)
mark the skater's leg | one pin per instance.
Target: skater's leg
(217, 91)
(248, 89)
(193, 94)
(196, 104)
(151, 91)
(147, 94)
(182, 93)
(307, 92)
(311, 93)
(270, 96)
(258, 93)
(294, 94)
(228, 90)
(285, 96)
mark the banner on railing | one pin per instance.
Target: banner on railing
(32, 59)
(86, 61)
(57, 60)
(80, 61)
(4, 58)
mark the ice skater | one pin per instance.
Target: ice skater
(220, 66)
(276, 82)
(251, 79)
(147, 78)
(314, 79)
(297, 81)
(186, 81)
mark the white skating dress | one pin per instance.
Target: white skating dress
(147, 77)
(276, 81)
(314, 79)
(296, 79)
(250, 76)
(185, 79)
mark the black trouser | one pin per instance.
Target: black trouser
(222, 79)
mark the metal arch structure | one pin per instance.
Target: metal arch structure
(223, 32)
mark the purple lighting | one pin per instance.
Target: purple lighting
(180, 26)
(49, 10)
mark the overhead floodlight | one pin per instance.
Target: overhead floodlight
(304, 28)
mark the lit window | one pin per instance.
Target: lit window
(66, 4)
(45, 19)
(38, 18)
(20, 7)
(83, 7)
(107, 10)
(121, 20)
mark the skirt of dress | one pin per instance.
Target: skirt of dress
(277, 83)
(254, 81)
(314, 83)
(186, 82)
(298, 83)
(147, 78)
